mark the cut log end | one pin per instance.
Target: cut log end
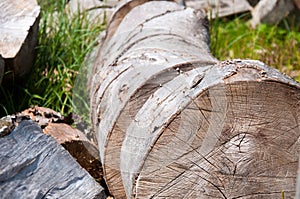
(233, 140)
(233, 133)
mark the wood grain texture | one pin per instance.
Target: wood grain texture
(18, 34)
(232, 140)
(34, 165)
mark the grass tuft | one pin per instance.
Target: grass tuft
(63, 44)
(277, 46)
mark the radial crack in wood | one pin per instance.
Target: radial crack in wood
(230, 141)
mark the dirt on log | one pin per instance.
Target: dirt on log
(34, 165)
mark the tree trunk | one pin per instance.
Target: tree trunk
(19, 21)
(34, 165)
(173, 122)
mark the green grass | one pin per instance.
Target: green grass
(63, 44)
(277, 46)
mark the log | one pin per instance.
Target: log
(82, 150)
(220, 8)
(271, 11)
(34, 165)
(19, 21)
(42, 116)
(183, 49)
(173, 122)
(73, 140)
(96, 11)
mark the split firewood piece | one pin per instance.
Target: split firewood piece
(73, 140)
(45, 116)
(34, 165)
(19, 22)
(76, 143)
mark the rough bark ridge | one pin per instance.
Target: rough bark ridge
(34, 165)
(73, 140)
(172, 121)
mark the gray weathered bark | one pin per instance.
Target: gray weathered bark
(73, 140)
(174, 122)
(34, 165)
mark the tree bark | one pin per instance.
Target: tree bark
(73, 140)
(34, 165)
(82, 150)
(173, 122)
